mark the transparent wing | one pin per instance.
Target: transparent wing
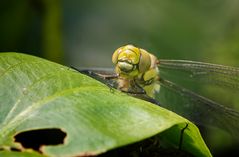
(197, 108)
(210, 80)
(216, 82)
(212, 73)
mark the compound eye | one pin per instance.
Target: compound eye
(116, 54)
(129, 54)
(145, 61)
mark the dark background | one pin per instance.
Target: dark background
(84, 33)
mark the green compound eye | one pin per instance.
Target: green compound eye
(127, 53)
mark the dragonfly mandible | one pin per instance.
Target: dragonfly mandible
(141, 74)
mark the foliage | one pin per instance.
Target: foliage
(37, 94)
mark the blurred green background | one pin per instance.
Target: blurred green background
(77, 32)
(84, 33)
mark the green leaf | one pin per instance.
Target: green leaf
(37, 94)
(19, 154)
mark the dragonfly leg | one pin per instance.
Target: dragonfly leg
(129, 86)
(109, 77)
(132, 91)
(181, 137)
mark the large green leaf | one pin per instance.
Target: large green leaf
(39, 94)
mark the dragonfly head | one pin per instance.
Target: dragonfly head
(130, 61)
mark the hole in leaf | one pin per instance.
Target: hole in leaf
(15, 149)
(36, 138)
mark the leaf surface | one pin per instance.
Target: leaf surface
(38, 94)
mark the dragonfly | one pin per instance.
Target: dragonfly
(143, 75)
